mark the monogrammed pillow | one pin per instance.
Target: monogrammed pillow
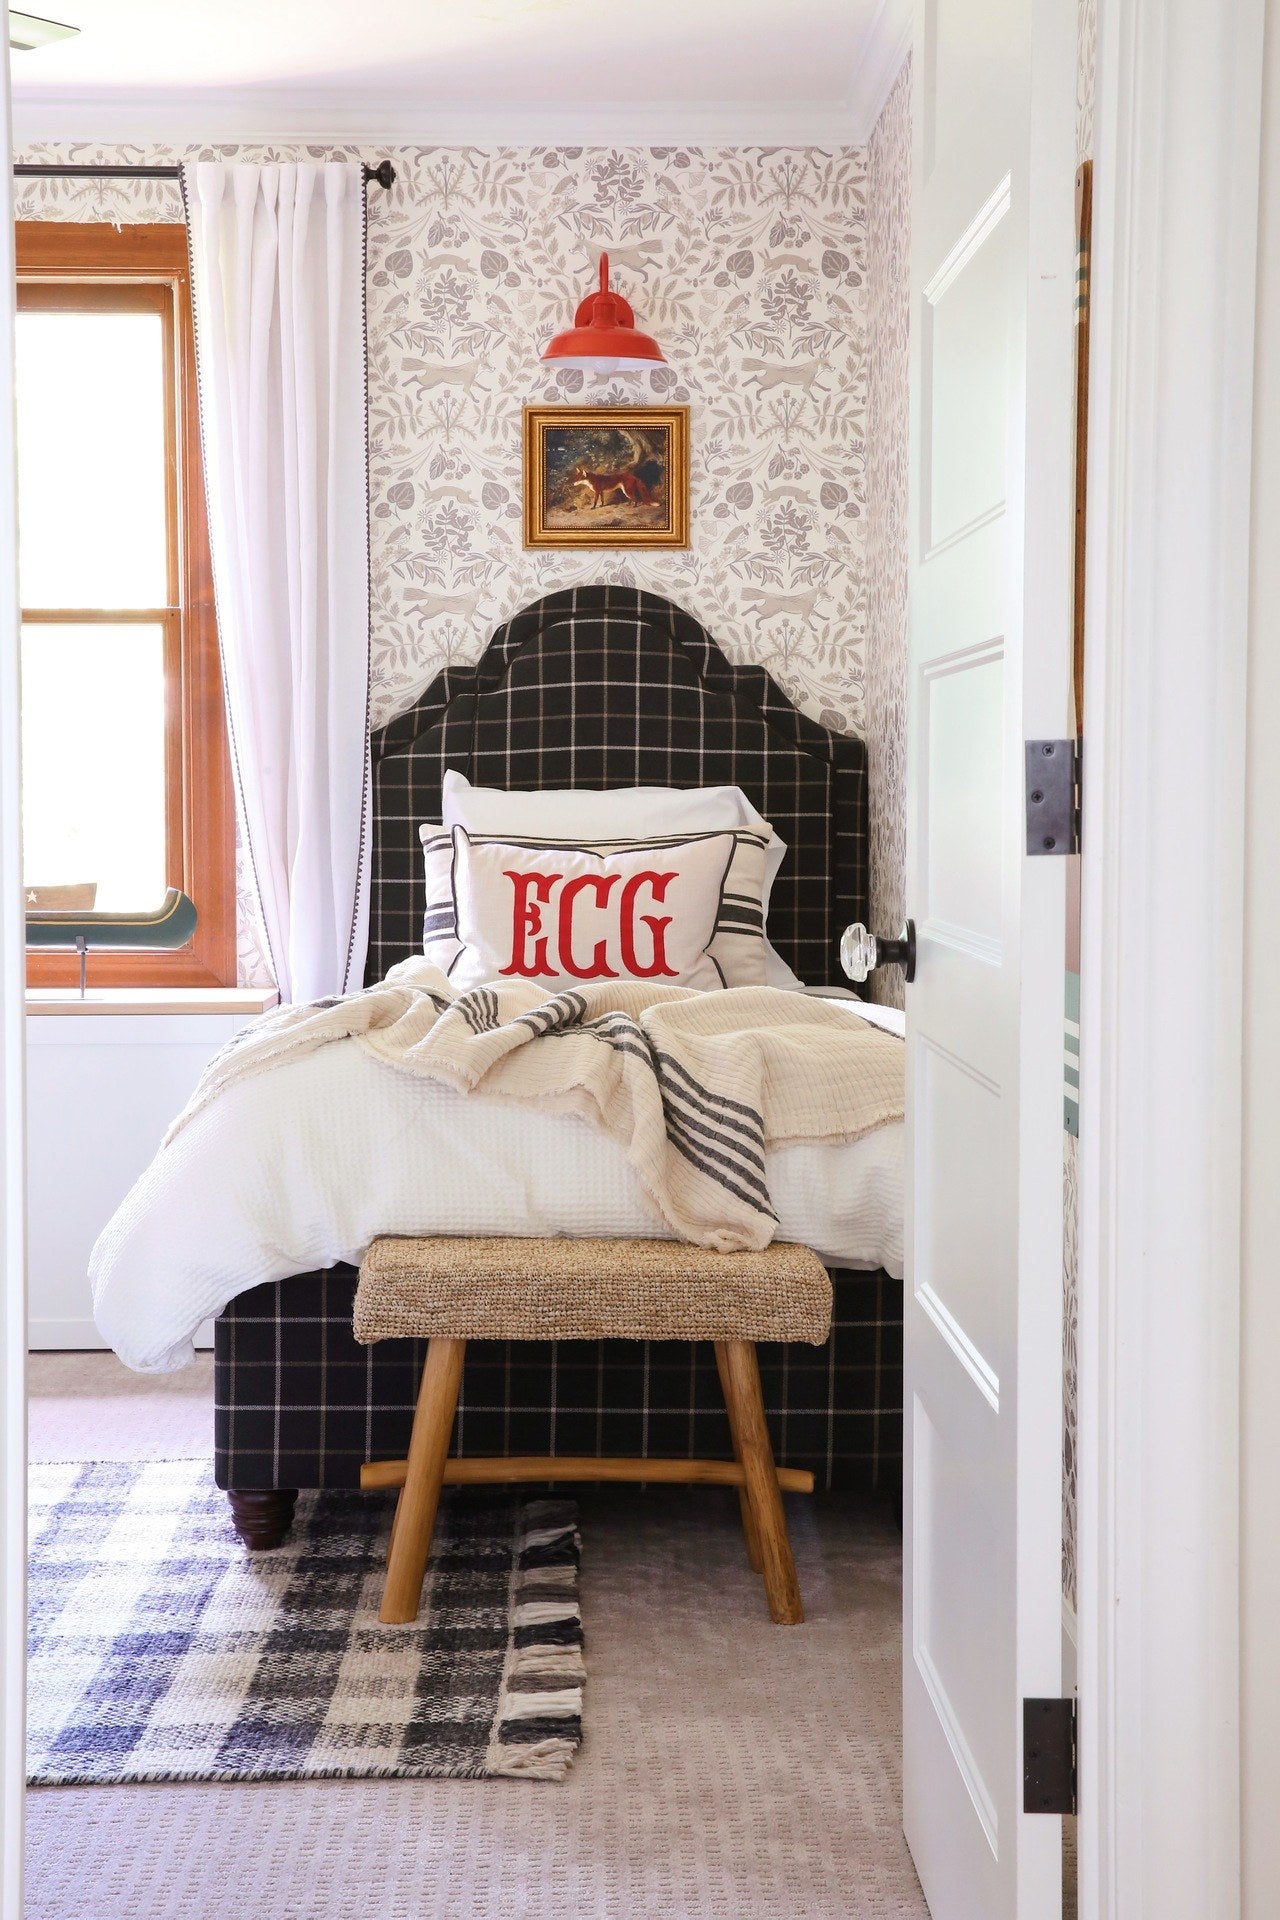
(580, 816)
(684, 910)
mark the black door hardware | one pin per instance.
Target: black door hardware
(1053, 796)
(1048, 1756)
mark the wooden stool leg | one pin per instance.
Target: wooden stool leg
(395, 1522)
(746, 1414)
(748, 1518)
(420, 1496)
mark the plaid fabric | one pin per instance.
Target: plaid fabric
(596, 687)
(605, 686)
(298, 1404)
(160, 1650)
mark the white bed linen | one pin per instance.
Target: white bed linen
(304, 1166)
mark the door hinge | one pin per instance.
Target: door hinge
(1053, 796)
(1049, 1756)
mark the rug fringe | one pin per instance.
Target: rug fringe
(562, 1577)
(544, 1670)
(540, 1760)
(547, 1663)
(545, 1613)
(564, 1704)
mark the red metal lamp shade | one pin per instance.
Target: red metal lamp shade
(604, 337)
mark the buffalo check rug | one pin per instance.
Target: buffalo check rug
(160, 1649)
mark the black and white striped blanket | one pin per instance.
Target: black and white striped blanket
(694, 1085)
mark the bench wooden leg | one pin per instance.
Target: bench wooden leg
(395, 1522)
(416, 1509)
(741, 1376)
(748, 1518)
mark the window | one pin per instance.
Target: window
(126, 779)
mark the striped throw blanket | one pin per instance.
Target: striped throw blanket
(693, 1085)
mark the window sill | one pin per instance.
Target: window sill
(66, 1001)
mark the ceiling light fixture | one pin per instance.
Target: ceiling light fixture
(604, 338)
(27, 32)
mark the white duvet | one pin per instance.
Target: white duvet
(299, 1168)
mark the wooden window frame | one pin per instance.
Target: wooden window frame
(74, 267)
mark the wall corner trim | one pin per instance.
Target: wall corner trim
(885, 47)
(1174, 259)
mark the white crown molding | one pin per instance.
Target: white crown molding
(195, 118)
(200, 116)
(885, 46)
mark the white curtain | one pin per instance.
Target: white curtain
(278, 261)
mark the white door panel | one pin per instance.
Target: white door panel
(990, 529)
(962, 697)
(964, 53)
(965, 378)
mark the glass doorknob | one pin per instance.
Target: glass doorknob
(862, 952)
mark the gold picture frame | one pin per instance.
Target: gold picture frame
(606, 476)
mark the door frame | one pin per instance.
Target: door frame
(1177, 156)
(13, 1152)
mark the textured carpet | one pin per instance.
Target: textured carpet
(732, 1770)
(160, 1650)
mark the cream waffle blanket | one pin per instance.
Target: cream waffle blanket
(694, 1086)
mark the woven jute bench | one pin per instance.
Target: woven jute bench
(449, 1290)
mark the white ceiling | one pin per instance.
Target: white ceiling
(618, 71)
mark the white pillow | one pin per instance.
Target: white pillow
(584, 815)
(687, 911)
(620, 813)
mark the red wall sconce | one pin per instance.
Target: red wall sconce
(604, 337)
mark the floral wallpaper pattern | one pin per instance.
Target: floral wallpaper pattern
(1070, 1355)
(888, 404)
(748, 264)
(1086, 73)
(1086, 76)
(750, 269)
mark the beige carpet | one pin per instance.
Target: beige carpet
(731, 1771)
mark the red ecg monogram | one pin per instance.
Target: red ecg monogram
(531, 937)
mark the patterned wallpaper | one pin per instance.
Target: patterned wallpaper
(1086, 76)
(888, 320)
(750, 267)
(1070, 1357)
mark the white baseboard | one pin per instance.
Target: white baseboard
(46, 1335)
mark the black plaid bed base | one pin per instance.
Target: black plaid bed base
(299, 1404)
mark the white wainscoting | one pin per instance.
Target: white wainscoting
(103, 1083)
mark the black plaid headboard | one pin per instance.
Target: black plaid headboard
(606, 686)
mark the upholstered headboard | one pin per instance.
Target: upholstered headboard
(605, 686)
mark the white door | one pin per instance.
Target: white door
(990, 531)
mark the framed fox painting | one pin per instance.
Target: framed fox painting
(606, 476)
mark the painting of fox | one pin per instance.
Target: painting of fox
(605, 476)
(601, 485)
(616, 474)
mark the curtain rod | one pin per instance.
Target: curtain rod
(384, 173)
